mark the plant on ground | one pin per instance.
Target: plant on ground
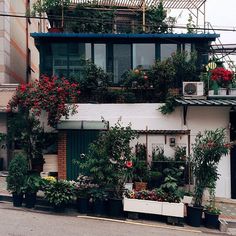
(17, 172)
(208, 149)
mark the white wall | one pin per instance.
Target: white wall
(143, 116)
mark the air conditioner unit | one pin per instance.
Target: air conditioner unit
(193, 89)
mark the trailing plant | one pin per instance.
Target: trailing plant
(17, 172)
(169, 106)
(208, 149)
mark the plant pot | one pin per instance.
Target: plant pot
(194, 216)
(115, 208)
(222, 91)
(30, 200)
(187, 199)
(140, 186)
(232, 92)
(59, 208)
(99, 206)
(83, 205)
(17, 199)
(211, 220)
(129, 186)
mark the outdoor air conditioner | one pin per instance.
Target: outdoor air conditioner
(193, 89)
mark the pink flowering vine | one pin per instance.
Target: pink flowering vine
(54, 95)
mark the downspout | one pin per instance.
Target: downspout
(27, 41)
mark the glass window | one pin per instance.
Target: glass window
(143, 55)
(100, 55)
(78, 53)
(121, 60)
(167, 50)
(60, 62)
(187, 48)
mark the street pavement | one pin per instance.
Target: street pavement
(23, 222)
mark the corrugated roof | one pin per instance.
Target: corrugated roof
(207, 102)
(171, 4)
(124, 36)
(163, 132)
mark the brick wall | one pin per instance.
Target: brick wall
(62, 155)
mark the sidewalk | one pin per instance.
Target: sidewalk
(227, 206)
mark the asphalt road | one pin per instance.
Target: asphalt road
(20, 222)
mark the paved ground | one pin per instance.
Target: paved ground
(21, 222)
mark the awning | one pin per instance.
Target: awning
(207, 102)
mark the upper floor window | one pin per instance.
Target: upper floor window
(143, 55)
(167, 50)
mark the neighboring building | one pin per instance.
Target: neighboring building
(19, 60)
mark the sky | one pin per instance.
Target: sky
(221, 14)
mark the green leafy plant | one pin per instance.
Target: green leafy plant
(180, 154)
(59, 192)
(208, 149)
(32, 183)
(212, 209)
(169, 106)
(158, 154)
(106, 159)
(17, 172)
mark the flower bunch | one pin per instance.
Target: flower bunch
(83, 185)
(50, 94)
(222, 76)
(136, 78)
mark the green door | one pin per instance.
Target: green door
(77, 143)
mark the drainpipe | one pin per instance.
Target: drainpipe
(27, 41)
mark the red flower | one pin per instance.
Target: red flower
(129, 164)
(23, 88)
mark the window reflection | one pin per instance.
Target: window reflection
(167, 50)
(143, 55)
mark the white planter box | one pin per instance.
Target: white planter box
(187, 200)
(143, 206)
(173, 209)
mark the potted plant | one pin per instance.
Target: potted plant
(31, 187)
(16, 178)
(58, 193)
(208, 149)
(99, 195)
(83, 187)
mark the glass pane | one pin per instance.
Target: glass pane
(100, 55)
(46, 60)
(167, 50)
(121, 60)
(60, 61)
(188, 50)
(143, 55)
(78, 53)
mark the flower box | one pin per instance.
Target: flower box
(173, 209)
(142, 206)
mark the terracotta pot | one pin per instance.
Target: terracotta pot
(140, 186)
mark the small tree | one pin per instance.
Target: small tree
(107, 158)
(17, 174)
(208, 149)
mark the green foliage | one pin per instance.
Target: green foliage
(190, 25)
(59, 192)
(91, 20)
(93, 82)
(106, 158)
(208, 149)
(2, 139)
(158, 154)
(17, 173)
(41, 6)
(32, 183)
(169, 105)
(184, 67)
(180, 154)
(212, 209)
(25, 130)
(141, 171)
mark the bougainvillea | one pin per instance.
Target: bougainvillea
(222, 76)
(51, 94)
